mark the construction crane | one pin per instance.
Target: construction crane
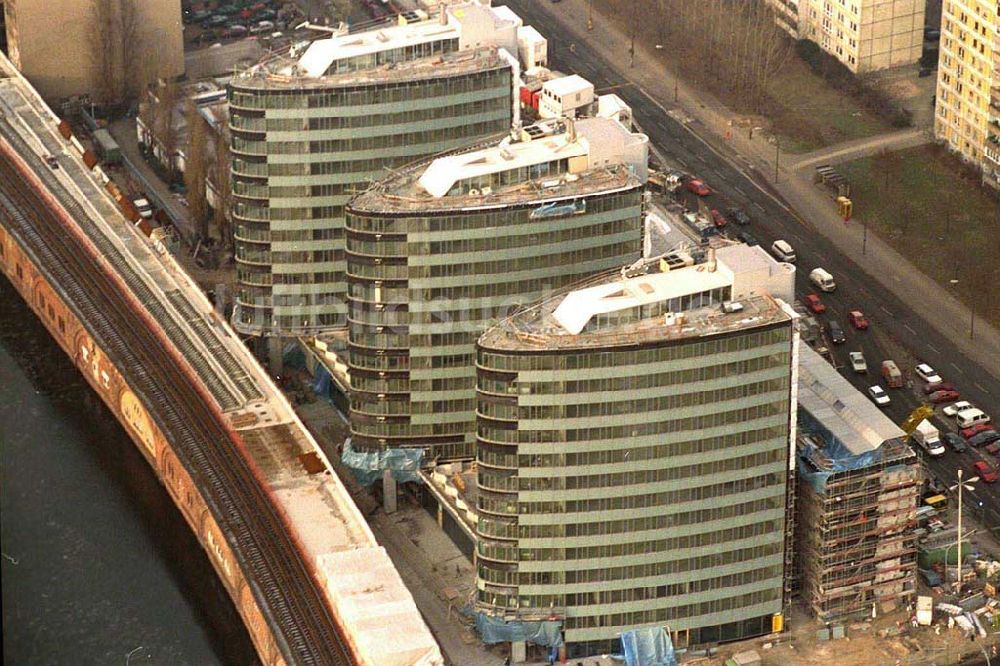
(916, 416)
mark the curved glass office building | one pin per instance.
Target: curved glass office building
(308, 133)
(438, 253)
(633, 453)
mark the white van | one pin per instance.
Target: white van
(142, 205)
(783, 251)
(822, 279)
(970, 417)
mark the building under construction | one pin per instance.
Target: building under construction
(859, 489)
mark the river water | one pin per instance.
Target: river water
(98, 565)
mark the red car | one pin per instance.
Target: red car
(972, 431)
(939, 397)
(939, 386)
(984, 471)
(698, 186)
(718, 219)
(814, 304)
(992, 448)
(857, 319)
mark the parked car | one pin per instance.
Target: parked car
(234, 31)
(985, 437)
(836, 333)
(263, 26)
(738, 216)
(955, 441)
(858, 363)
(939, 386)
(698, 186)
(993, 448)
(939, 397)
(927, 373)
(878, 394)
(748, 238)
(857, 319)
(718, 219)
(952, 410)
(814, 303)
(984, 471)
(782, 251)
(215, 21)
(972, 431)
(932, 34)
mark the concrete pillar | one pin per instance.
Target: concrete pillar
(388, 491)
(440, 516)
(518, 652)
(274, 349)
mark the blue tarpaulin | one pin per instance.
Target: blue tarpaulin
(321, 382)
(818, 465)
(367, 466)
(648, 646)
(497, 630)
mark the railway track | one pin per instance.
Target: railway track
(281, 581)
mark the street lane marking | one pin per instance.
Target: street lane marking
(907, 327)
(981, 388)
(758, 206)
(931, 347)
(682, 162)
(885, 310)
(957, 369)
(741, 192)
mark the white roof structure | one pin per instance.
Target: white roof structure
(567, 85)
(842, 409)
(596, 141)
(473, 24)
(748, 270)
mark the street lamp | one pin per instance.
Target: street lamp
(967, 485)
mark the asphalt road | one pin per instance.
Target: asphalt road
(895, 332)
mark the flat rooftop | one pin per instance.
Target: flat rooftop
(842, 409)
(603, 156)
(363, 588)
(278, 71)
(561, 321)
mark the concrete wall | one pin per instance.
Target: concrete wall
(51, 42)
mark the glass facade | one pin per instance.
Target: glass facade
(423, 287)
(636, 483)
(299, 155)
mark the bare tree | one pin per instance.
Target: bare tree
(167, 94)
(116, 50)
(223, 188)
(196, 168)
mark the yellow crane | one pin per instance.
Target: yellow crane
(916, 416)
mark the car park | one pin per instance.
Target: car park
(955, 442)
(814, 303)
(952, 410)
(972, 431)
(878, 394)
(984, 471)
(927, 373)
(698, 186)
(858, 363)
(738, 216)
(938, 397)
(985, 437)
(857, 319)
(836, 333)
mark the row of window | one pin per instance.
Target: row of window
(360, 222)
(625, 356)
(693, 492)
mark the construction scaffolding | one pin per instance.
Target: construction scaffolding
(856, 545)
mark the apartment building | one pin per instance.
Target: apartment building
(312, 129)
(439, 252)
(635, 447)
(967, 115)
(865, 35)
(55, 44)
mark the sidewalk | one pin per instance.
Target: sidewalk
(883, 264)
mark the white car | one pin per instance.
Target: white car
(928, 374)
(954, 408)
(858, 362)
(879, 395)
